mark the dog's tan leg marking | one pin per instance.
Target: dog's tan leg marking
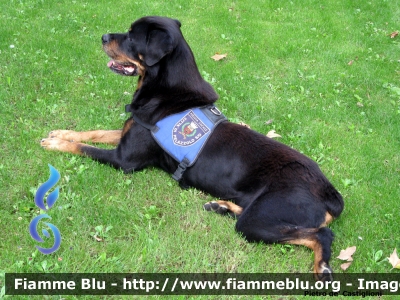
(222, 207)
(322, 271)
(111, 137)
(57, 144)
(127, 126)
(328, 219)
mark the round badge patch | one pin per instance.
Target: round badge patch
(188, 130)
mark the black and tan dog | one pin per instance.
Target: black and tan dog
(277, 194)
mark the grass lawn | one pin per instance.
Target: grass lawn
(326, 73)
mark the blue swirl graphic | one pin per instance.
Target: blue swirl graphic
(39, 201)
(36, 236)
(45, 187)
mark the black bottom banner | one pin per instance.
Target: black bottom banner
(200, 284)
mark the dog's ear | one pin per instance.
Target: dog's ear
(159, 44)
(178, 23)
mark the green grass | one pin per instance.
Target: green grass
(326, 73)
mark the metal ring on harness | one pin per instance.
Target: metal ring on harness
(215, 111)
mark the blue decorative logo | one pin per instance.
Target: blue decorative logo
(39, 201)
(188, 130)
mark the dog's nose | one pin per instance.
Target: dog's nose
(106, 38)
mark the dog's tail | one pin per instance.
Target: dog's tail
(333, 200)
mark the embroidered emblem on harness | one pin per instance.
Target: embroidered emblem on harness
(184, 139)
(188, 130)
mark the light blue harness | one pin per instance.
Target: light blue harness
(184, 135)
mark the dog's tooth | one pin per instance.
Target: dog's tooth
(129, 69)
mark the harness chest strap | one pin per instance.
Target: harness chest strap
(184, 135)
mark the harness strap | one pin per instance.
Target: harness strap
(137, 120)
(181, 169)
(210, 111)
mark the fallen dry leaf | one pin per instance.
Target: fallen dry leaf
(244, 124)
(345, 266)
(350, 62)
(272, 134)
(394, 34)
(97, 238)
(347, 254)
(218, 57)
(269, 122)
(394, 260)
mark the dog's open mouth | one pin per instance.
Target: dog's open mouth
(127, 70)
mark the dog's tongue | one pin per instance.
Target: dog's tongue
(110, 63)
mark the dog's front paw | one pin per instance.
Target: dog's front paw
(54, 143)
(57, 144)
(223, 207)
(67, 135)
(216, 207)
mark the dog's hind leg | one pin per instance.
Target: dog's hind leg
(317, 239)
(291, 216)
(224, 207)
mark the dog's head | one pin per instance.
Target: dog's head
(155, 49)
(148, 41)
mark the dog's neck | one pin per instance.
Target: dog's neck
(172, 85)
